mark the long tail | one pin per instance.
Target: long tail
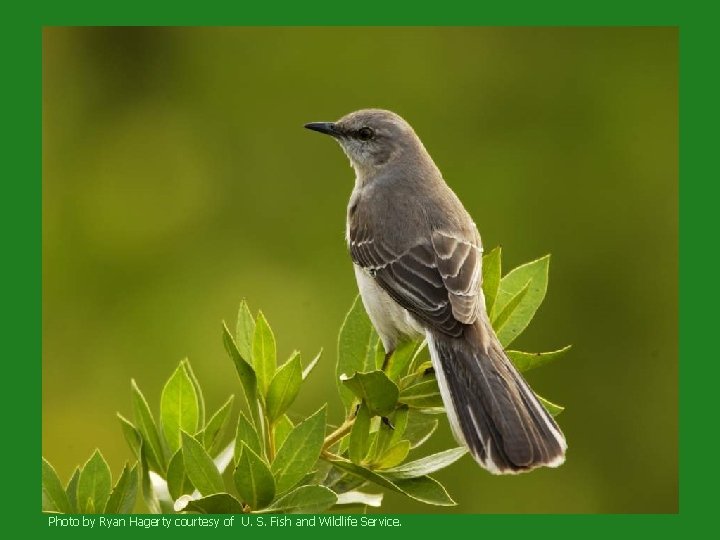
(491, 408)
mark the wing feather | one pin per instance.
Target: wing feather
(438, 279)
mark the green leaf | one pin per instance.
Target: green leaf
(322, 469)
(309, 368)
(94, 484)
(374, 435)
(244, 332)
(535, 275)
(360, 435)
(383, 436)
(419, 428)
(219, 503)
(177, 481)
(200, 468)
(151, 501)
(264, 353)
(122, 498)
(198, 391)
(421, 370)
(338, 480)
(401, 358)
(491, 272)
(54, 497)
(399, 421)
(212, 435)
(356, 348)
(424, 489)
(394, 455)
(421, 393)
(253, 480)
(304, 500)
(71, 490)
(379, 392)
(179, 409)
(504, 317)
(433, 410)
(379, 353)
(148, 430)
(284, 387)
(131, 434)
(550, 407)
(426, 465)
(420, 356)
(283, 427)
(299, 452)
(246, 434)
(245, 372)
(525, 361)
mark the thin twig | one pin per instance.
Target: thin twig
(339, 433)
(330, 456)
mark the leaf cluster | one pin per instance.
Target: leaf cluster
(189, 460)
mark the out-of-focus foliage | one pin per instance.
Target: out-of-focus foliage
(177, 179)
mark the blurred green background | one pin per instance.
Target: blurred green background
(177, 179)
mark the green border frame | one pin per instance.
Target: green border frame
(22, 216)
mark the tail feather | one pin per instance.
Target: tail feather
(491, 408)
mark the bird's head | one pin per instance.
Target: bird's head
(372, 138)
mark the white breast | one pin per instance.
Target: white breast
(392, 321)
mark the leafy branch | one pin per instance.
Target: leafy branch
(392, 407)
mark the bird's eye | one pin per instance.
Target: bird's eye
(365, 133)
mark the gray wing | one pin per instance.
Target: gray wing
(438, 279)
(459, 262)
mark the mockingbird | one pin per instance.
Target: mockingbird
(417, 257)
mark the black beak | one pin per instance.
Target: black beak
(329, 128)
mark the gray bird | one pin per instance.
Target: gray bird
(417, 257)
